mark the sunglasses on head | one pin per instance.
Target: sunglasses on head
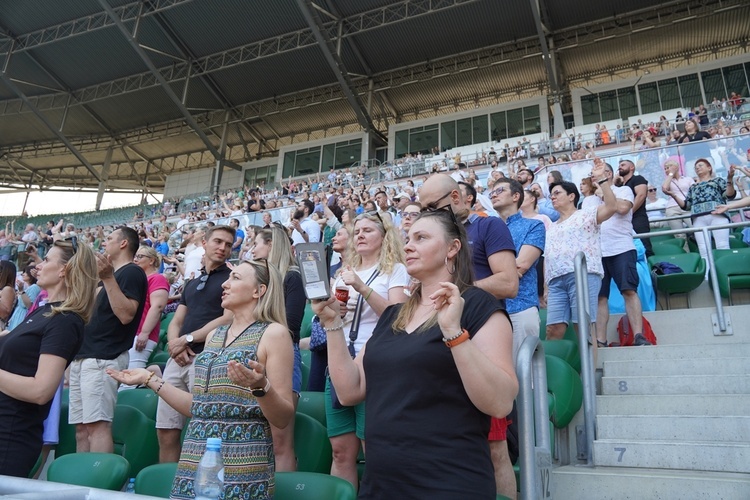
(371, 213)
(441, 210)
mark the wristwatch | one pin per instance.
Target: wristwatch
(602, 181)
(189, 338)
(259, 392)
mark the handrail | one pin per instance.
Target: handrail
(720, 316)
(587, 362)
(535, 456)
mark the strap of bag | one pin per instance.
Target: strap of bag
(354, 330)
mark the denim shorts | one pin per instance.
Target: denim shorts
(562, 303)
(622, 269)
(297, 373)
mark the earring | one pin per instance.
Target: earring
(448, 268)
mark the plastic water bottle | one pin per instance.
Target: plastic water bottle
(130, 488)
(209, 477)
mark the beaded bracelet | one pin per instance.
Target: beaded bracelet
(340, 326)
(148, 379)
(160, 386)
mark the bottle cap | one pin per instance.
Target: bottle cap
(213, 443)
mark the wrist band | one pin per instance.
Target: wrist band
(160, 386)
(602, 181)
(340, 326)
(368, 294)
(149, 379)
(459, 338)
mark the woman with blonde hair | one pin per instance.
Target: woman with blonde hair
(374, 278)
(34, 356)
(679, 184)
(243, 383)
(273, 244)
(147, 335)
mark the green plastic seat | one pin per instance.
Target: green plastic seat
(311, 445)
(136, 434)
(305, 375)
(156, 480)
(66, 442)
(305, 355)
(160, 358)
(312, 486)
(105, 471)
(667, 248)
(306, 328)
(733, 272)
(36, 467)
(313, 404)
(566, 389)
(570, 332)
(143, 399)
(694, 268)
(564, 349)
(655, 236)
(164, 324)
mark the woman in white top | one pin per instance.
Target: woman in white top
(678, 185)
(374, 273)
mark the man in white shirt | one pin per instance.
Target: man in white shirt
(306, 230)
(619, 262)
(29, 234)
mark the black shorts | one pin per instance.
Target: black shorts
(622, 269)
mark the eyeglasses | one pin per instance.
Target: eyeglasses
(140, 256)
(652, 190)
(431, 207)
(497, 190)
(202, 284)
(409, 215)
(73, 243)
(559, 192)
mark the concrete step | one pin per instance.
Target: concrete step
(678, 384)
(687, 455)
(654, 367)
(703, 404)
(724, 429)
(620, 483)
(686, 351)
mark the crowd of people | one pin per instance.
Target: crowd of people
(444, 277)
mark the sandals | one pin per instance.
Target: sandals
(600, 343)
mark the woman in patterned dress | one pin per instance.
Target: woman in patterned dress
(243, 381)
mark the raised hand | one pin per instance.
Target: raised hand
(137, 376)
(449, 306)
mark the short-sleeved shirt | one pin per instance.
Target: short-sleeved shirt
(59, 335)
(156, 282)
(204, 305)
(525, 232)
(638, 180)
(679, 188)
(616, 234)
(487, 236)
(565, 238)
(703, 197)
(239, 236)
(106, 337)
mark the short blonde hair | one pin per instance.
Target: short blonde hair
(150, 253)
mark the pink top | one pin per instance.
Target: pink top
(156, 282)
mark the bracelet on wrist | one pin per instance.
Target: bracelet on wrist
(340, 326)
(160, 386)
(148, 379)
(602, 181)
(459, 338)
(367, 297)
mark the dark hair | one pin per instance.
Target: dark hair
(337, 211)
(515, 188)
(469, 190)
(212, 229)
(27, 270)
(569, 188)
(7, 274)
(556, 176)
(531, 173)
(309, 205)
(131, 236)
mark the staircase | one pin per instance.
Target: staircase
(673, 420)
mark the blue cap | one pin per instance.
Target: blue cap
(213, 443)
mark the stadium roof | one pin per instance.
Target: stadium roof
(154, 86)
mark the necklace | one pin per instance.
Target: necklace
(235, 337)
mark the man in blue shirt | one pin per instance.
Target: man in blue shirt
(528, 237)
(544, 204)
(239, 238)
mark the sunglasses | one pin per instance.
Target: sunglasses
(652, 190)
(431, 207)
(73, 240)
(257, 262)
(371, 213)
(202, 284)
(441, 210)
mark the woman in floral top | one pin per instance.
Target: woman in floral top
(702, 198)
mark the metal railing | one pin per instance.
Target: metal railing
(18, 488)
(585, 352)
(535, 459)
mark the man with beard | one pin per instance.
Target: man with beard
(639, 185)
(306, 230)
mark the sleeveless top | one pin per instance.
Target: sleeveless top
(230, 412)
(425, 438)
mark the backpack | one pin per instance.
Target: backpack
(662, 268)
(626, 336)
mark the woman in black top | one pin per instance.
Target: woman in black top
(693, 133)
(33, 357)
(434, 371)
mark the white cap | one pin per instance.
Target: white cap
(400, 195)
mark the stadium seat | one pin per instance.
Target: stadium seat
(305, 375)
(570, 332)
(67, 434)
(105, 471)
(313, 404)
(667, 247)
(564, 349)
(565, 389)
(306, 327)
(305, 354)
(312, 486)
(694, 272)
(135, 433)
(311, 445)
(143, 399)
(733, 272)
(156, 480)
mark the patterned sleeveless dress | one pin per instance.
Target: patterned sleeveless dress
(224, 410)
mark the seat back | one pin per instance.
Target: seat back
(312, 486)
(144, 400)
(313, 404)
(156, 480)
(105, 471)
(311, 445)
(136, 433)
(733, 271)
(66, 442)
(306, 327)
(565, 386)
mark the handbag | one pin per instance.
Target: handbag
(353, 333)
